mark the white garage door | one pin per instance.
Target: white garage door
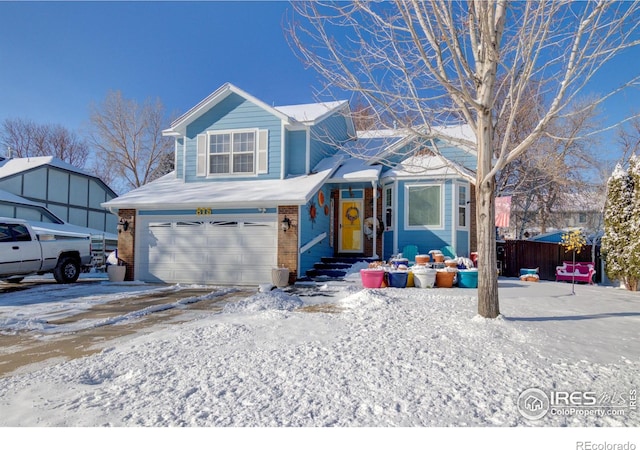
(232, 251)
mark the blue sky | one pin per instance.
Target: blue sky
(58, 57)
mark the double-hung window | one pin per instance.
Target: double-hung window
(232, 153)
(462, 206)
(388, 207)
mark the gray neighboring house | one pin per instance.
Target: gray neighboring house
(52, 189)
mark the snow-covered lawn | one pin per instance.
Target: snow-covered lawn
(379, 358)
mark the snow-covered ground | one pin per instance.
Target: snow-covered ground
(373, 358)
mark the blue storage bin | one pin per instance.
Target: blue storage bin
(528, 272)
(468, 278)
(398, 279)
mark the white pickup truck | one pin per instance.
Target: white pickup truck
(23, 252)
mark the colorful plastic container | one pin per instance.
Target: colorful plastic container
(400, 262)
(528, 272)
(423, 259)
(372, 278)
(444, 278)
(398, 279)
(468, 278)
(424, 277)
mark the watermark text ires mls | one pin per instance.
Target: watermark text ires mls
(534, 403)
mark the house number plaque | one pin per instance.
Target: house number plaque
(203, 211)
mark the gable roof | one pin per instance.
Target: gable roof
(179, 126)
(460, 135)
(15, 166)
(428, 165)
(304, 114)
(312, 113)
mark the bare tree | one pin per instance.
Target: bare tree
(556, 167)
(25, 138)
(629, 138)
(444, 60)
(128, 140)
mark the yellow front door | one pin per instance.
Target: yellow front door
(351, 226)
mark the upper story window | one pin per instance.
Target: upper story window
(232, 152)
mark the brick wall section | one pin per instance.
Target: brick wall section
(368, 212)
(288, 241)
(127, 241)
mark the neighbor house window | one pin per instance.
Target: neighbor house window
(423, 206)
(231, 153)
(462, 206)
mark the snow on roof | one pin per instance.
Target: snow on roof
(67, 229)
(354, 170)
(171, 192)
(311, 112)
(12, 198)
(431, 165)
(17, 165)
(373, 142)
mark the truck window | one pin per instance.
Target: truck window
(5, 233)
(21, 233)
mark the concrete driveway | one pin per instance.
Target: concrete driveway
(25, 351)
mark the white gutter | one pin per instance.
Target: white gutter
(308, 151)
(283, 154)
(454, 227)
(375, 219)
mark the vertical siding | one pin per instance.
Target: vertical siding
(179, 162)
(234, 112)
(71, 197)
(35, 183)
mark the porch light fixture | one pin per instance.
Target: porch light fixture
(285, 224)
(123, 225)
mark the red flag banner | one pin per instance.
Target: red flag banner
(503, 211)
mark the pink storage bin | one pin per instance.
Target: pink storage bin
(372, 278)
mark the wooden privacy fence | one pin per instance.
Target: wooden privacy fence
(515, 255)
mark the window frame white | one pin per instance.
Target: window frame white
(388, 207)
(407, 207)
(231, 153)
(462, 203)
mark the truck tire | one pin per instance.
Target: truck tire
(67, 270)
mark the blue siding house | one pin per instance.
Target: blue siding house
(258, 187)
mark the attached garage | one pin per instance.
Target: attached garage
(193, 249)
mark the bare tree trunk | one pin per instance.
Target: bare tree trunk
(488, 302)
